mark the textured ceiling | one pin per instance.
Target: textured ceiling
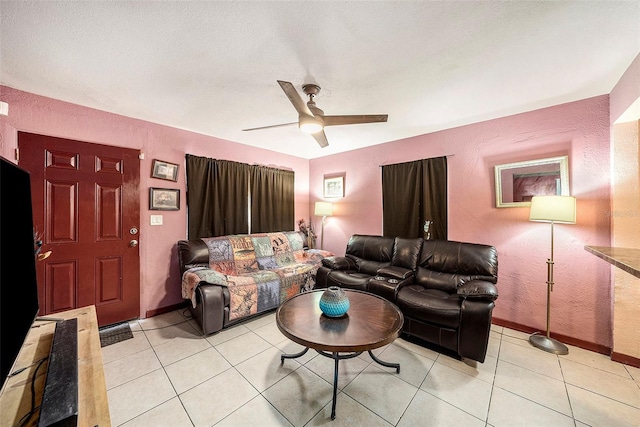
(212, 67)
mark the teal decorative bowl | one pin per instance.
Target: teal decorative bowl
(334, 302)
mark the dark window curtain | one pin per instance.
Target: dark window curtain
(233, 192)
(217, 194)
(401, 199)
(434, 198)
(414, 199)
(272, 199)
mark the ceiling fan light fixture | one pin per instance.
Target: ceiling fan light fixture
(311, 119)
(310, 124)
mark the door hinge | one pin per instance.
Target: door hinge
(17, 154)
(141, 156)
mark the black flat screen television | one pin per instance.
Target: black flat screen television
(18, 283)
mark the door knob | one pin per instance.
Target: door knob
(133, 243)
(43, 256)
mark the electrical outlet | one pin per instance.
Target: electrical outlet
(156, 219)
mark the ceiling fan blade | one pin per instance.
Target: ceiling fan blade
(321, 138)
(272, 126)
(294, 97)
(354, 119)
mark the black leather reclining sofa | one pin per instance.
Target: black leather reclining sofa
(445, 289)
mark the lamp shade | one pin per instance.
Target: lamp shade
(323, 209)
(560, 209)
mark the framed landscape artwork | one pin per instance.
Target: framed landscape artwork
(334, 187)
(164, 170)
(164, 199)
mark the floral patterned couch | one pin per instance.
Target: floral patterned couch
(230, 278)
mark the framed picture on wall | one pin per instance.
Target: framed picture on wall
(164, 199)
(164, 170)
(334, 186)
(516, 183)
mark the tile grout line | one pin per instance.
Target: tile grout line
(493, 383)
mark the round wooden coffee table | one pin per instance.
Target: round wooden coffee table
(371, 322)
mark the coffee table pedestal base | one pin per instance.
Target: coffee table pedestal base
(338, 357)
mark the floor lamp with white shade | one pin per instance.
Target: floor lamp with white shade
(323, 209)
(552, 209)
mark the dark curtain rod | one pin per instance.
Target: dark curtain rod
(448, 155)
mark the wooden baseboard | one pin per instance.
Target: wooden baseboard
(162, 310)
(587, 345)
(598, 348)
(627, 360)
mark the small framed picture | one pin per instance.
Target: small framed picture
(164, 199)
(164, 170)
(334, 186)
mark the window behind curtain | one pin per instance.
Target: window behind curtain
(272, 199)
(218, 194)
(414, 199)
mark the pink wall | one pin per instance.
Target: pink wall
(626, 91)
(580, 130)
(160, 278)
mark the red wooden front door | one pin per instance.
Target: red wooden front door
(86, 206)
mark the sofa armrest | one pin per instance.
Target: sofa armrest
(480, 290)
(192, 253)
(192, 278)
(339, 263)
(387, 287)
(475, 327)
(395, 272)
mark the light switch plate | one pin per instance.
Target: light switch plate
(156, 219)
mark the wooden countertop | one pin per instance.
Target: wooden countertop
(93, 407)
(627, 259)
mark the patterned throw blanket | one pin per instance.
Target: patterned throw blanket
(259, 270)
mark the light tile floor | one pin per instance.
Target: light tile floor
(170, 375)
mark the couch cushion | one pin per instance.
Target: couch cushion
(231, 254)
(445, 282)
(296, 240)
(285, 246)
(248, 253)
(406, 252)
(264, 251)
(447, 265)
(374, 248)
(244, 255)
(429, 305)
(470, 259)
(348, 279)
(366, 266)
(220, 254)
(312, 256)
(253, 293)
